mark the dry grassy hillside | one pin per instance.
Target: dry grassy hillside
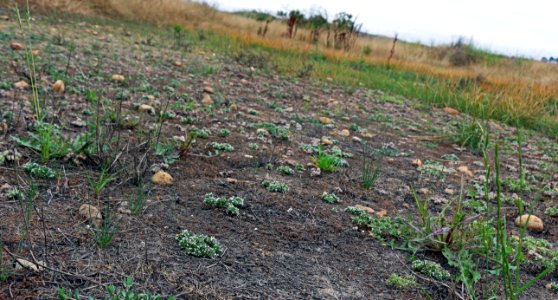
(521, 87)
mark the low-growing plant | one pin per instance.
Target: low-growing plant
(275, 186)
(39, 171)
(14, 194)
(431, 269)
(223, 132)
(202, 133)
(231, 204)
(222, 146)
(401, 282)
(330, 198)
(551, 211)
(253, 146)
(370, 168)
(114, 293)
(285, 170)
(167, 152)
(47, 141)
(198, 245)
(470, 135)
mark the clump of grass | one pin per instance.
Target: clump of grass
(106, 233)
(470, 135)
(401, 282)
(327, 162)
(286, 170)
(39, 171)
(198, 245)
(275, 186)
(431, 269)
(370, 168)
(330, 198)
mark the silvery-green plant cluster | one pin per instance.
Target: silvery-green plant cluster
(232, 204)
(431, 269)
(39, 171)
(330, 198)
(199, 245)
(275, 186)
(222, 146)
(285, 170)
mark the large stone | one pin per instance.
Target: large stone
(162, 178)
(117, 77)
(534, 223)
(465, 170)
(59, 86)
(146, 108)
(16, 46)
(21, 85)
(451, 111)
(206, 100)
(325, 120)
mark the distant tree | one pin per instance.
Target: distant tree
(295, 19)
(317, 23)
(345, 31)
(544, 59)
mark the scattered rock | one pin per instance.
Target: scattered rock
(231, 180)
(366, 208)
(206, 100)
(78, 123)
(451, 111)
(417, 163)
(208, 89)
(21, 85)
(244, 81)
(535, 223)
(178, 63)
(147, 108)
(326, 141)
(90, 212)
(423, 191)
(162, 178)
(59, 86)
(381, 213)
(25, 264)
(449, 191)
(117, 77)
(5, 18)
(315, 172)
(344, 132)
(16, 46)
(439, 200)
(325, 120)
(465, 170)
(36, 52)
(356, 139)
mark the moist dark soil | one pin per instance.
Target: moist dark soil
(282, 245)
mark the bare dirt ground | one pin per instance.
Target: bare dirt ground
(281, 246)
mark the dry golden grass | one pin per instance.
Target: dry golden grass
(522, 86)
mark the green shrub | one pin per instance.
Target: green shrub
(223, 132)
(222, 146)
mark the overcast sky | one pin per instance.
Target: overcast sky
(524, 28)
